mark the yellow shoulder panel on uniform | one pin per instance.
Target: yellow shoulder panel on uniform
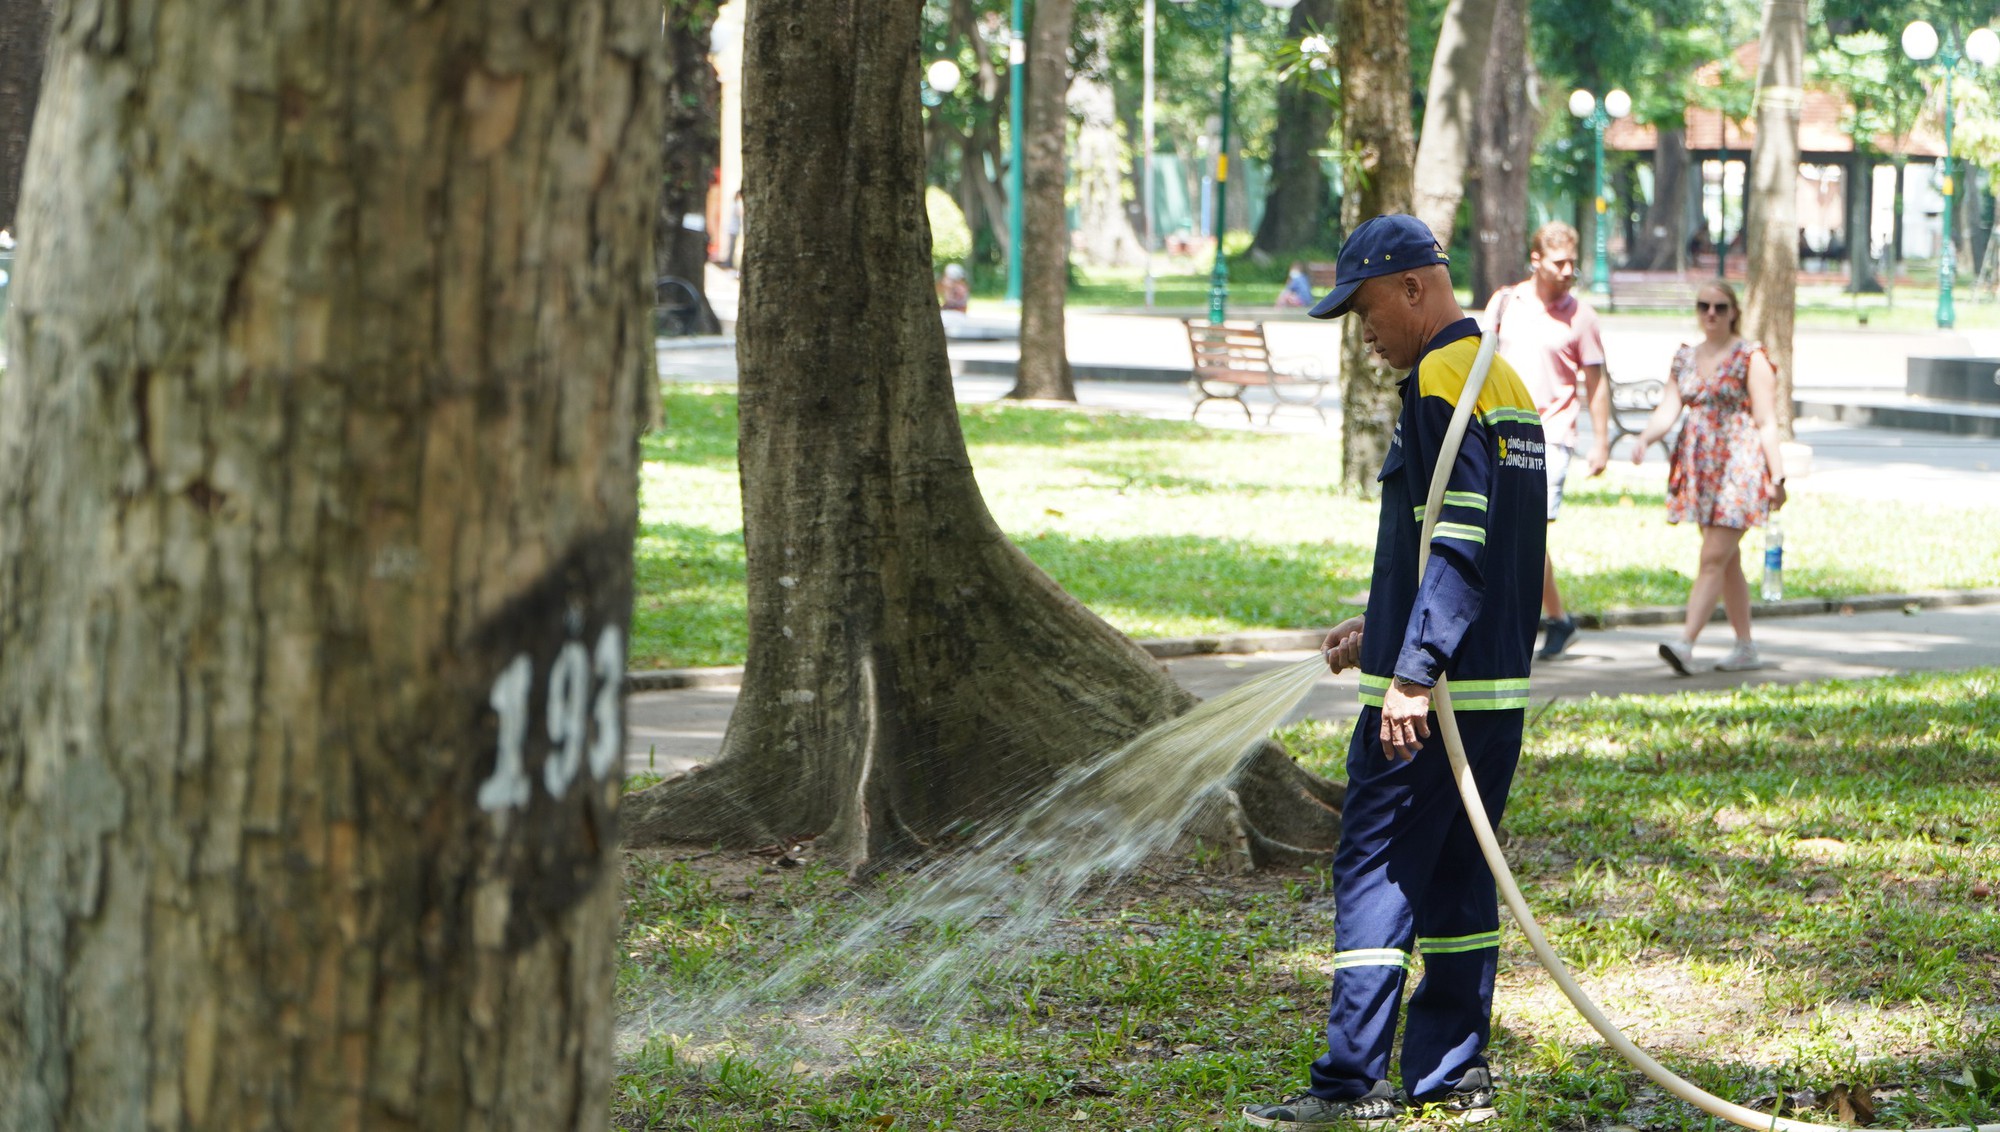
(1445, 369)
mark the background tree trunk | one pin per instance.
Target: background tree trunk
(692, 138)
(24, 33)
(909, 669)
(1374, 54)
(1773, 220)
(1295, 205)
(317, 459)
(1662, 236)
(1861, 278)
(1044, 373)
(1504, 141)
(1451, 108)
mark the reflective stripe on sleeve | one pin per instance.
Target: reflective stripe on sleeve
(1511, 415)
(1460, 531)
(1465, 499)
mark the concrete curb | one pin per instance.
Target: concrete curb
(1281, 640)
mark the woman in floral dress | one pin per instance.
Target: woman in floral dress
(1728, 473)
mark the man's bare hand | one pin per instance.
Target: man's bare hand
(1342, 648)
(1600, 456)
(1406, 710)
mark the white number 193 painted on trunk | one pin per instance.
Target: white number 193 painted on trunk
(573, 715)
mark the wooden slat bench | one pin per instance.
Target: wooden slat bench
(1231, 357)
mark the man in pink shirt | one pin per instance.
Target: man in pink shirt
(1550, 336)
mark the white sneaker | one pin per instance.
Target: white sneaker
(1678, 656)
(1742, 658)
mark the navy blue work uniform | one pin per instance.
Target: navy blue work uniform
(1409, 880)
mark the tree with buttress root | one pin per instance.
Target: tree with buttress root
(910, 673)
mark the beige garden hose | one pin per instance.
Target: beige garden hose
(1475, 811)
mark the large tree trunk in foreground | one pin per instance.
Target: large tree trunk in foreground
(691, 137)
(1044, 372)
(1662, 237)
(1504, 144)
(24, 33)
(909, 671)
(1451, 112)
(1375, 120)
(1773, 222)
(1296, 202)
(317, 470)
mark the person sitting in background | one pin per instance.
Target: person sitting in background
(953, 293)
(1298, 290)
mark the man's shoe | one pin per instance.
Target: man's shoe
(1471, 1100)
(1559, 636)
(1678, 657)
(1742, 658)
(1379, 1105)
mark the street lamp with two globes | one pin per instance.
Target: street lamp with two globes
(1982, 47)
(1595, 117)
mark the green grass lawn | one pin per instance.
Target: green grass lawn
(1777, 891)
(1170, 529)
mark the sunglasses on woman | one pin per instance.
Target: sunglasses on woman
(1705, 308)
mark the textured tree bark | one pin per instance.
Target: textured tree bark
(1451, 109)
(317, 494)
(1504, 142)
(691, 136)
(1860, 204)
(1044, 373)
(1663, 232)
(909, 671)
(1374, 55)
(1295, 205)
(24, 34)
(1773, 223)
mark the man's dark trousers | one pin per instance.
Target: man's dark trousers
(1409, 872)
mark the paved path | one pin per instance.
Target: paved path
(670, 730)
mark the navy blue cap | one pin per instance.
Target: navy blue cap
(1380, 245)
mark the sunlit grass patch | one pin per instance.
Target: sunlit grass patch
(1169, 529)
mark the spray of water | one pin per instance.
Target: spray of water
(973, 917)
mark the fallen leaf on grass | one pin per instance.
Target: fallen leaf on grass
(1853, 1106)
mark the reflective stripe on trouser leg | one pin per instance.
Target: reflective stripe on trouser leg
(1408, 863)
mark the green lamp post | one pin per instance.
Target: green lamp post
(1595, 117)
(1982, 47)
(1017, 59)
(1218, 276)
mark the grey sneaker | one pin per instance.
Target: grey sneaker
(1678, 657)
(1471, 1100)
(1379, 1105)
(1557, 638)
(1742, 658)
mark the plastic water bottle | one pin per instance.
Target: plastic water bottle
(1774, 561)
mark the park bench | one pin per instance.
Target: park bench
(1632, 402)
(1637, 290)
(1232, 357)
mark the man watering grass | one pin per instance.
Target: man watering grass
(1408, 876)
